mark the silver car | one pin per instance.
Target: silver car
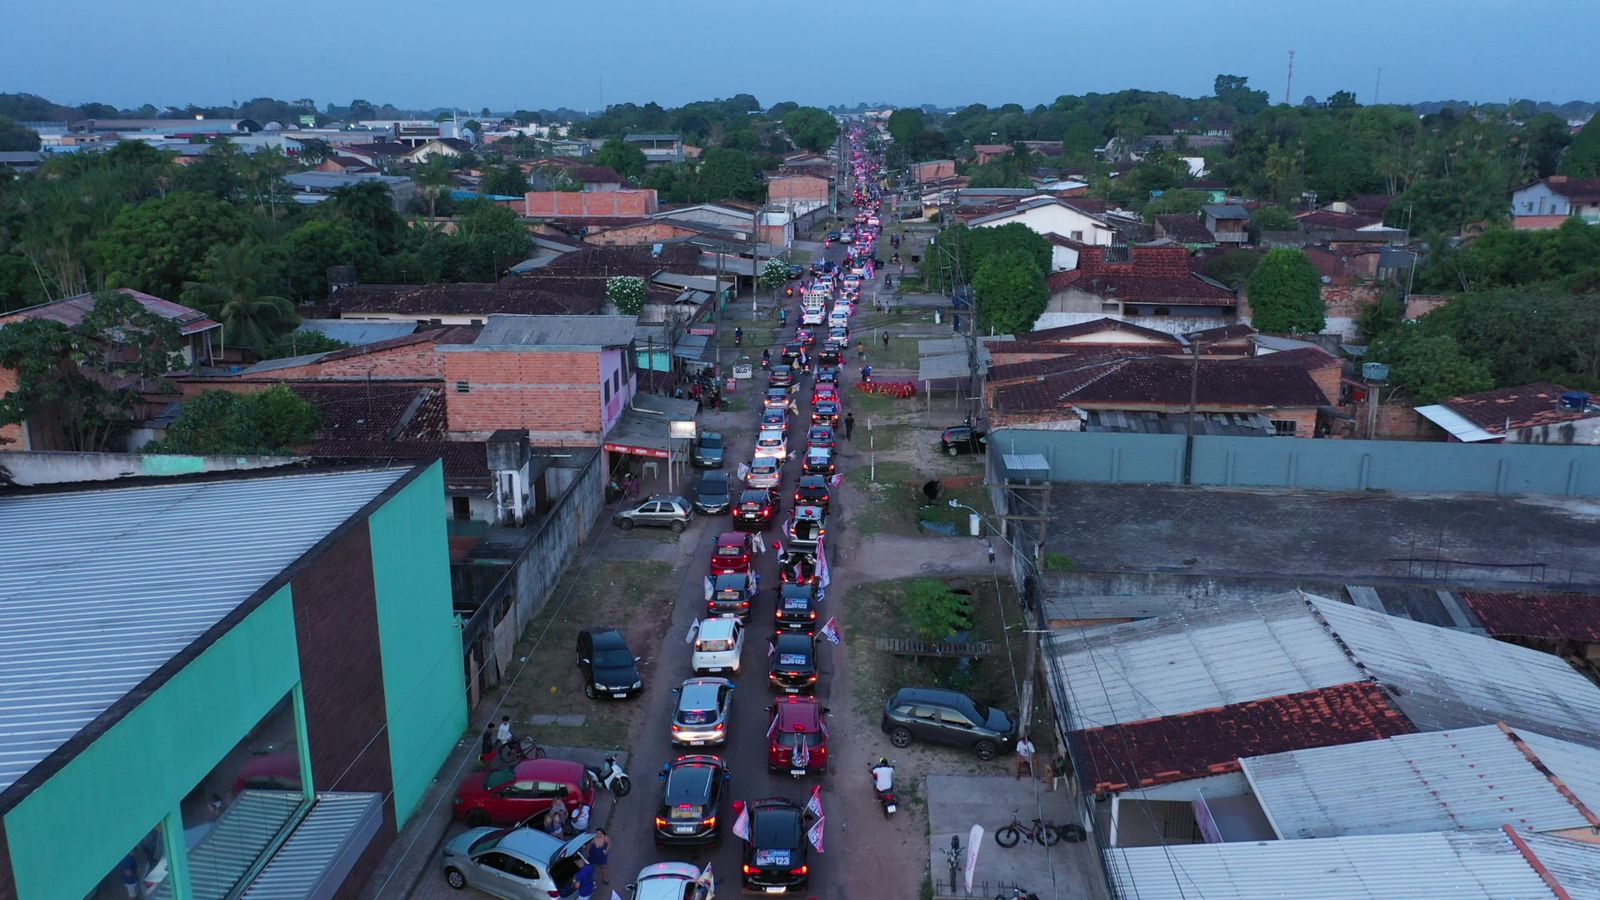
(701, 719)
(514, 863)
(765, 472)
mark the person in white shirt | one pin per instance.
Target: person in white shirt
(503, 733)
(883, 776)
(1024, 755)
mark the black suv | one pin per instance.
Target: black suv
(797, 608)
(941, 716)
(812, 491)
(959, 439)
(609, 668)
(713, 494)
(691, 799)
(708, 450)
(776, 853)
(757, 508)
(781, 376)
(794, 663)
(730, 596)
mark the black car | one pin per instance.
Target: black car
(830, 355)
(792, 352)
(757, 508)
(730, 595)
(714, 493)
(691, 799)
(796, 608)
(821, 436)
(825, 413)
(818, 460)
(794, 663)
(812, 491)
(775, 856)
(780, 376)
(609, 668)
(827, 375)
(708, 450)
(942, 716)
(959, 439)
(795, 271)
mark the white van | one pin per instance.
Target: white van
(718, 645)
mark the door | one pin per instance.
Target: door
(956, 727)
(495, 876)
(925, 723)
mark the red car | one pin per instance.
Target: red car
(805, 336)
(509, 796)
(797, 725)
(825, 392)
(732, 553)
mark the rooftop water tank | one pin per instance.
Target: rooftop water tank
(1375, 371)
(1574, 401)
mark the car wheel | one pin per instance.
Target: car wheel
(985, 750)
(625, 524)
(454, 878)
(900, 737)
(589, 691)
(677, 527)
(952, 451)
(477, 818)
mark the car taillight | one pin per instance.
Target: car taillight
(749, 869)
(676, 727)
(813, 615)
(710, 823)
(800, 871)
(720, 727)
(660, 822)
(811, 678)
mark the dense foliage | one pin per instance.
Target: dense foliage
(222, 422)
(1286, 294)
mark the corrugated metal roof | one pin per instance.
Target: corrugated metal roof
(98, 589)
(358, 331)
(1572, 864)
(557, 331)
(1456, 424)
(1448, 679)
(1441, 781)
(1447, 866)
(1199, 660)
(315, 859)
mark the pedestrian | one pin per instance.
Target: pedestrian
(503, 734)
(1025, 756)
(555, 821)
(130, 875)
(490, 742)
(585, 881)
(600, 854)
(861, 351)
(849, 425)
(886, 338)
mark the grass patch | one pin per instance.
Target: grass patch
(879, 406)
(1055, 561)
(895, 502)
(877, 609)
(633, 596)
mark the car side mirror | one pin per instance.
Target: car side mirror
(584, 660)
(638, 659)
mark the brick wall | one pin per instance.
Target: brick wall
(797, 188)
(631, 235)
(1347, 301)
(579, 204)
(12, 437)
(934, 170)
(419, 360)
(556, 395)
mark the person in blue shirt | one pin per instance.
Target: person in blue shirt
(586, 882)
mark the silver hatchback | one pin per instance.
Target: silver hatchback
(514, 863)
(701, 718)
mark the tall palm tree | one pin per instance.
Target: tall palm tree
(433, 178)
(232, 293)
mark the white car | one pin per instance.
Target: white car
(765, 472)
(672, 881)
(811, 316)
(773, 443)
(718, 645)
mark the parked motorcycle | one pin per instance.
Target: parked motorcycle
(611, 777)
(884, 787)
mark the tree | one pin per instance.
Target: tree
(159, 245)
(225, 423)
(1583, 156)
(312, 248)
(232, 292)
(1286, 294)
(370, 207)
(1011, 293)
(1430, 367)
(1234, 91)
(1339, 100)
(87, 377)
(505, 180)
(905, 124)
(1274, 218)
(488, 238)
(1233, 267)
(434, 178)
(811, 128)
(726, 174)
(934, 611)
(301, 343)
(1176, 200)
(774, 275)
(627, 293)
(625, 158)
(16, 137)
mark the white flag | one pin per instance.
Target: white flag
(706, 879)
(615, 895)
(836, 480)
(741, 825)
(693, 630)
(822, 565)
(814, 834)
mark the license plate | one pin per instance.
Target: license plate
(696, 743)
(714, 669)
(797, 771)
(776, 890)
(620, 694)
(790, 690)
(683, 829)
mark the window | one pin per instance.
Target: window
(616, 380)
(951, 717)
(1110, 307)
(1284, 427)
(463, 387)
(477, 322)
(461, 508)
(607, 387)
(1163, 311)
(1077, 236)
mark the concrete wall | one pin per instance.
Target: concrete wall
(29, 468)
(1314, 465)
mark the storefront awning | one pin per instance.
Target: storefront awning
(323, 849)
(642, 430)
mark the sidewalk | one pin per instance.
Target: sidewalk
(957, 802)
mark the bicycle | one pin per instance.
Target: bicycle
(520, 748)
(1040, 832)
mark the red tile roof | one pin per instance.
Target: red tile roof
(392, 420)
(1164, 381)
(1174, 290)
(452, 334)
(1581, 190)
(1224, 333)
(1370, 204)
(71, 311)
(1522, 406)
(465, 299)
(1304, 357)
(1184, 228)
(1211, 741)
(1325, 219)
(1574, 617)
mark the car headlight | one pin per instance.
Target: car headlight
(636, 685)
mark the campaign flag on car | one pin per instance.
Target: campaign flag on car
(836, 480)
(741, 825)
(773, 728)
(814, 805)
(801, 757)
(706, 880)
(744, 471)
(830, 630)
(823, 578)
(693, 630)
(814, 834)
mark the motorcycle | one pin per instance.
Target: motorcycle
(611, 777)
(886, 796)
(1017, 893)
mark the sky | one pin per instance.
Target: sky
(530, 54)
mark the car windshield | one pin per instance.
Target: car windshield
(714, 646)
(615, 658)
(711, 441)
(689, 784)
(776, 831)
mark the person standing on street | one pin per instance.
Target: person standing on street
(849, 425)
(503, 735)
(600, 854)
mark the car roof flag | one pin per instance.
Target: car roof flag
(822, 565)
(801, 757)
(694, 628)
(830, 630)
(706, 879)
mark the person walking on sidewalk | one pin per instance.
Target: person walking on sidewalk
(849, 425)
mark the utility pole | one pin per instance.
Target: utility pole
(1194, 391)
(755, 257)
(1288, 87)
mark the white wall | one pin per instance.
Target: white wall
(1062, 259)
(1169, 324)
(1062, 220)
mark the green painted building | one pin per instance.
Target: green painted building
(236, 683)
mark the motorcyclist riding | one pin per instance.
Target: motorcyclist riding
(883, 776)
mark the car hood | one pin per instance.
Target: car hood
(999, 722)
(616, 676)
(709, 453)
